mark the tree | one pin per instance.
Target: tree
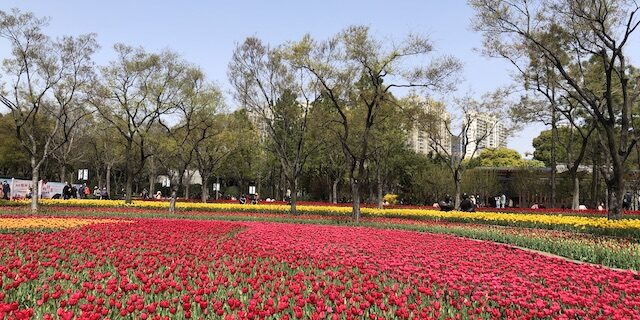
(471, 141)
(48, 81)
(540, 78)
(281, 98)
(500, 158)
(482, 182)
(74, 150)
(329, 160)
(238, 145)
(575, 147)
(136, 91)
(217, 144)
(355, 70)
(425, 179)
(598, 30)
(543, 145)
(387, 145)
(13, 158)
(198, 104)
(107, 150)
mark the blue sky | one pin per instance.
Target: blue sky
(206, 32)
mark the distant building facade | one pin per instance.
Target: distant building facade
(433, 136)
(484, 131)
(457, 150)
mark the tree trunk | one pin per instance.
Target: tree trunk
(63, 173)
(180, 185)
(294, 196)
(329, 194)
(457, 182)
(334, 190)
(615, 194)
(258, 183)
(355, 194)
(152, 176)
(379, 183)
(186, 189)
(128, 186)
(594, 183)
(554, 139)
(575, 203)
(35, 191)
(99, 176)
(274, 193)
(108, 178)
(152, 184)
(205, 186)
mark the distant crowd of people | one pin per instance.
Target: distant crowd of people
(70, 191)
(469, 203)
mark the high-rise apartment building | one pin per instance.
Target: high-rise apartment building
(431, 135)
(484, 131)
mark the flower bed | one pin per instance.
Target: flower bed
(589, 224)
(609, 251)
(179, 269)
(49, 223)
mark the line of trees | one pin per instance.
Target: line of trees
(321, 118)
(146, 113)
(572, 57)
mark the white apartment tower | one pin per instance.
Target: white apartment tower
(484, 131)
(432, 136)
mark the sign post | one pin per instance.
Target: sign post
(216, 188)
(83, 174)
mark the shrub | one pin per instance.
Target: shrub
(391, 198)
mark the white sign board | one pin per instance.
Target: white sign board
(165, 181)
(83, 174)
(216, 186)
(252, 189)
(49, 189)
(20, 188)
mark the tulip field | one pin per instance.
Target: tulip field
(161, 268)
(139, 262)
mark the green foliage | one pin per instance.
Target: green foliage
(481, 181)
(390, 198)
(232, 191)
(533, 163)
(566, 141)
(424, 179)
(13, 158)
(499, 158)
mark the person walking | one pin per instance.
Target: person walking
(66, 191)
(172, 201)
(626, 201)
(503, 200)
(6, 190)
(74, 192)
(104, 195)
(467, 205)
(85, 191)
(447, 204)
